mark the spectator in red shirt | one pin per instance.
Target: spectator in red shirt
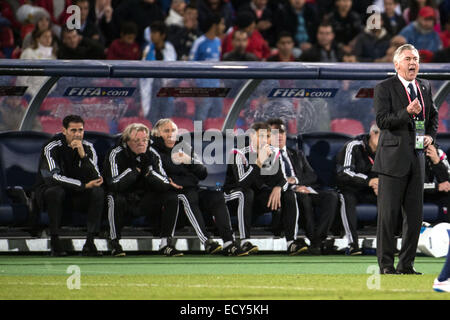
(246, 21)
(126, 47)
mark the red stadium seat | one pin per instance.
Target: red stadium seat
(346, 125)
(292, 126)
(50, 124)
(213, 123)
(96, 124)
(188, 104)
(54, 103)
(227, 103)
(16, 53)
(442, 126)
(124, 122)
(26, 29)
(6, 37)
(184, 123)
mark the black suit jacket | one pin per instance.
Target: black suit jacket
(397, 138)
(303, 171)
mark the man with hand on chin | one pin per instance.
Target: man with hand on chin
(256, 172)
(408, 120)
(69, 178)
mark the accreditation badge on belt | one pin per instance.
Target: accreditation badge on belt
(420, 133)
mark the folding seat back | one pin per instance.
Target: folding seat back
(102, 143)
(124, 122)
(19, 161)
(320, 149)
(347, 126)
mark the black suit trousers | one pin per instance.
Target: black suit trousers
(405, 194)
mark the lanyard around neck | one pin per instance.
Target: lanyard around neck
(421, 98)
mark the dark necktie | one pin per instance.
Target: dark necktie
(412, 92)
(413, 95)
(287, 165)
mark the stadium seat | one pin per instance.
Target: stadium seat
(227, 103)
(96, 124)
(102, 143)
(184, 123)
(320, 149)
(123, 122)
(442, 126)
(213, 123)
(16, 53)
(443, 140)
(50, 105)
(50, 124)
(347, 126)
(14, 146)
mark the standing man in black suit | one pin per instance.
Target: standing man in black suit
(303, 180)
(408, 120)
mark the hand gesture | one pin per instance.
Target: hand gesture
(173, 184)
(291, 180)
(432, 153)
(78, 145)
(181, 157)
(414, 107)
(274, 199)
(302, 189)
(373, 183)
(94, 183)
(444, 186)
(263, 154)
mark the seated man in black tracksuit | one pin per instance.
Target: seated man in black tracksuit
(183, 167)
(68, 178)
(255, 174)
(303, 180)
(437, 180)
(136, 185)
(356, 182)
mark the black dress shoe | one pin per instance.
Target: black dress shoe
(388, 270)
(408, 271)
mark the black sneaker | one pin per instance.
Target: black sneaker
(315, 250)
(170, 251)
(234, 250)
(56, 248)
(90, 250)
(296, 247)
(117, 250)
(249, 247)
(212, 247)
(353, 250)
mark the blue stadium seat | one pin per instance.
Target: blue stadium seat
(19, 159)
(443, 140)
(102, 143)
(320, 149)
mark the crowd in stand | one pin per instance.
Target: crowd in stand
(232, 30)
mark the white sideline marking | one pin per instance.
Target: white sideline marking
(63, 284)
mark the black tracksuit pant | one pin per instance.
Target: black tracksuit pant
(349, 199)
(161, 207)
(196, 201)
(240, 200)
(289, 211)
(57, 199)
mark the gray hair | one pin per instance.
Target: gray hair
(159, 124)
(126, 134)
(402, 48)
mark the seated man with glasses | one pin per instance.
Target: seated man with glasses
(136, 186)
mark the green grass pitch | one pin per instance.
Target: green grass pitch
(200, 277)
